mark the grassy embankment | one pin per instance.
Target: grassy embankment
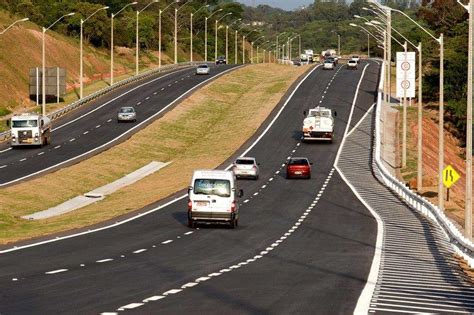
(201, 132)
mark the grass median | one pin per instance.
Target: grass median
(202, 132)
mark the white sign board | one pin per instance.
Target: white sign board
(406, 74)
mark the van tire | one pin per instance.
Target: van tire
(191, 224)
(234, 223)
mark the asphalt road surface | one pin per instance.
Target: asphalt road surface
(94, 127)
(302, 246)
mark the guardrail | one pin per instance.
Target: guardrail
(61, 112)
(462, 245)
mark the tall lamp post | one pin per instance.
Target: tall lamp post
(159, 31)
(112, 41)
(43, 110)
(81, 72)
(468, 202)
(137, 40)
(176, 31)
(237, 43)
(191, 58)
(251, 48)
(215, 41)
(277, 47)
(14, 23)
(205, 32)
(243, 45)
(227, 39)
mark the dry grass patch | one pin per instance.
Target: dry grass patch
(201, 132)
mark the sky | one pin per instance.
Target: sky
(284, 4)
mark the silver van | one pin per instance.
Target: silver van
(213, 197)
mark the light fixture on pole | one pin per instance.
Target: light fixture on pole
(43, 109)
(227, 39)
(160, 13)
(216, 38)
(137, 43)
(112, 40)
(11, 25)
(81, 72)
(205, 32)
(191, 58)
(176, 31)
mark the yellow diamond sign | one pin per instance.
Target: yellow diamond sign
(450, 176)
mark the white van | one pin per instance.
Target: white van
(213, 197)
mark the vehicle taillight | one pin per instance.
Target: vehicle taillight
(190, 205)
(233, 207)
(254, 167)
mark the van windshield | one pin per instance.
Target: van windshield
(24, 123)
(218, 187)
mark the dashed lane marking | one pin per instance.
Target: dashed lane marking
(73, 139)
(3, 166)
(41, 153)
(140, 251)
(22, 160)
(166, 242)
(104, 260)
(56, 271)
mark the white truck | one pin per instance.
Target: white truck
(319, 124)
(304, 59)
(30, 129)
(310, 54)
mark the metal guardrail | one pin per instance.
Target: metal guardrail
(61, 112)
(461, 244)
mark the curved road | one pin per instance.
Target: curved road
(94, 127)
(303, 246)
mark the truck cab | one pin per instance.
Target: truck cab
(319, 125)
(30, 130)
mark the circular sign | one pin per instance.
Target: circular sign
(405, 66)
(405, 84)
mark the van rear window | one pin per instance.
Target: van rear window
(217, 187)
(244, 162)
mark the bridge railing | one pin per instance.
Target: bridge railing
(61, 112)
(461, 244)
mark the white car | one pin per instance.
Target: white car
(352, 64)
(356, 58)
(246, 167)
(127, 113)
(213, 197)
(203, 69)
(328, 65)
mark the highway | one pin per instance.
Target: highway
(302, 246)
(94, 128)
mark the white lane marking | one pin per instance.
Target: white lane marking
(224, 270)
(41, 153)
(23, 159)
(109, 120)
(55, 271)
(153, 298)
(140, 251)
(173, 291)
(139, 103)
(162, 89)
(85, 132)
(271, 179)
(104, 260)
(166, 242)
(277, 172)
(98, 126)
(214, 274)
(3, 166)
(255, 194)
(8, 149)
(132, 306)
(14, 279)
(246, 200)
(58, 146)
(188, 233)
(264, 186)
(109, 313)
(155, 93)
(147, 98)
(169, 85)
(189, 285)
(119, 96)
(105, 145)
(73, 139)
(202, 279)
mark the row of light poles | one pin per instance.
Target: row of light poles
(383, 14)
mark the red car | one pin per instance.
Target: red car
(298, 167)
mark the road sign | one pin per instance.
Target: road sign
(450, 176)
(406, 75)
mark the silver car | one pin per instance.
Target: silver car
(203, 69)
(246, 167)
(127, 113)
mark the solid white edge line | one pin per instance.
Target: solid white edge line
(172, 201)
(362, 119)
(123, 134)
(350, 115)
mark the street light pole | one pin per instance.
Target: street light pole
(137, 44)
(43, 109)
(11, 25)
(112, 41)
(81, 70)
(176, 30)
(339, 44)
(216, 38)
(191, 57)
(468, 202)
(205, 32)
(227, 39)
(159, 32)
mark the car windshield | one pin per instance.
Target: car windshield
(244, 162)
(328, 61)
(221, 58)
(217, 187)
(298, 162)
(319, 113)
(127, 110)
(355, 56)
(24, 123)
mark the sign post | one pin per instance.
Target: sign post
(450, 177)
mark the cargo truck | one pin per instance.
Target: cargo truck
(30, 130)
(319, 125)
